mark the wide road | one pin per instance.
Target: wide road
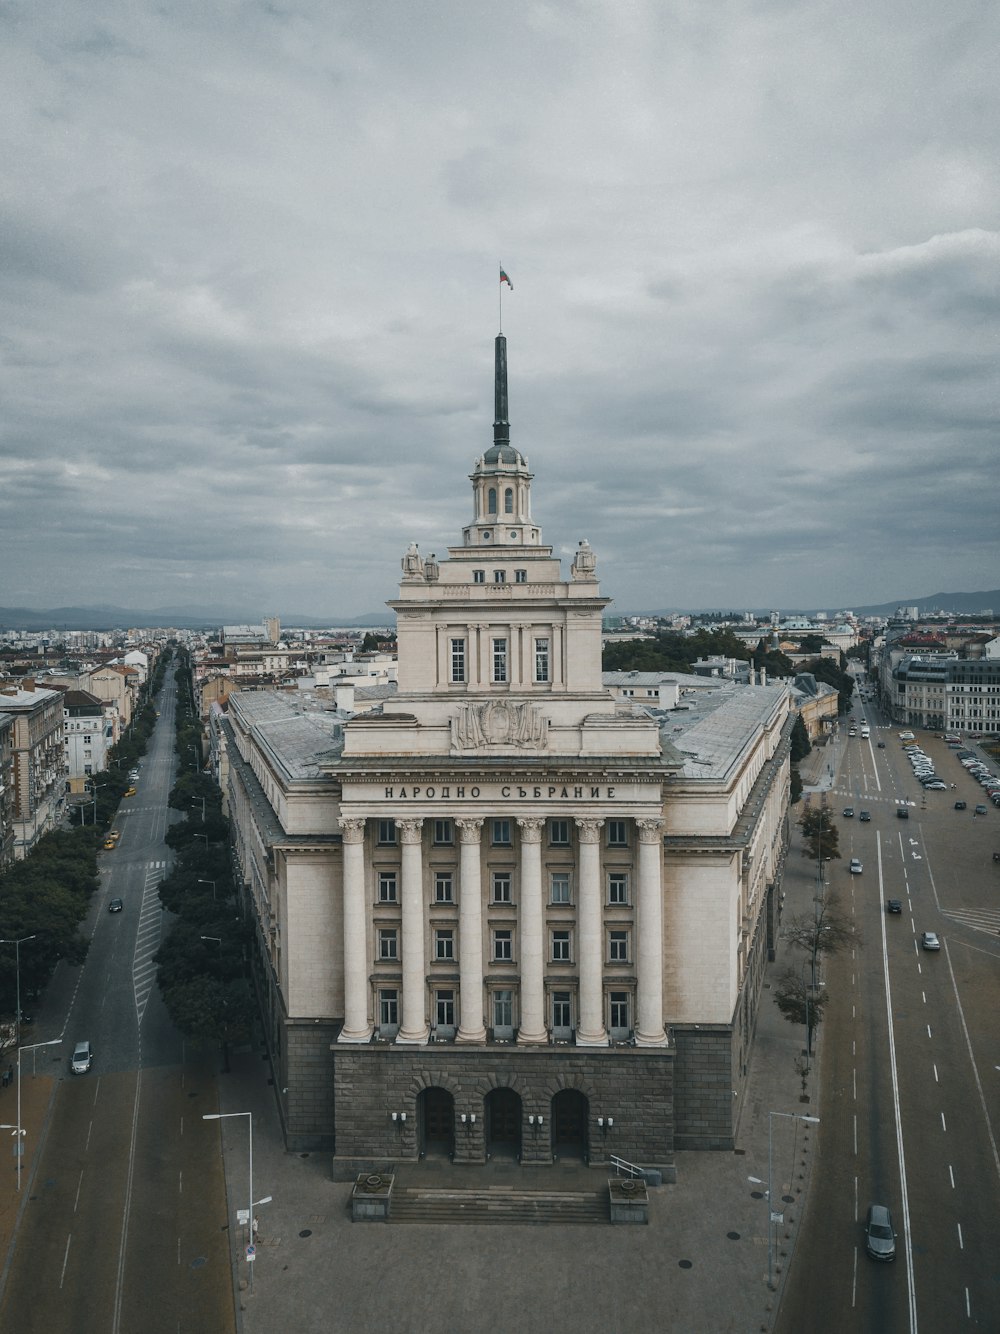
(910, 1096)
(122, 1229)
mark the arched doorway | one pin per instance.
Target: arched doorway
(503, 1123)
(570, 1113)
(436, 1122)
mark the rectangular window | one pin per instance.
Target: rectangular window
(388, 1008)
(479, 576)
(541, 659)
(559, 887)
(444, 1008)
(387, 886)
(501, 834)
(503, 1009)
(561, 1019)
(458, 659)
(501, 887)
(617, 887)
(503, 946)
(386, 832)
(499, 576)
(499, 660)
(444, 889)
(559, 833)
(520, 576)
(560, 947)
(620, 1014)
(444, 945)
(618, 947)
(617, 834)
(387, 943)
(443, 835)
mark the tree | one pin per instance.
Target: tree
(800, 1002)
(801, 745)
(794, 785)
(208, 1009)
(832, 674)
(820, 837)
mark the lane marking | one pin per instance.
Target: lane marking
(972, 1061)
(944, 1124)
(894, 1073)
(62, 1276)
(961, 1243)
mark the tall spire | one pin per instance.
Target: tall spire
(501, 426)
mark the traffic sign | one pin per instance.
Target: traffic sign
(251, 1253)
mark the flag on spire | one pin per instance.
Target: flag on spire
(505, 279)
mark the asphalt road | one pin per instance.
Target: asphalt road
(910, 1101)
(123, 1227)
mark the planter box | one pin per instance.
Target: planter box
(629, 1200)
(371, 1197)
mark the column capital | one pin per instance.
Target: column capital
(469, 829)
(353, 831)
(590, 829)
(410, 831)
(649, 830)
(531, 827)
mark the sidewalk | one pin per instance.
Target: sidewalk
(700, 1267)
(36, 1098)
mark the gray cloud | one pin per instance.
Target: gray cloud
(248, 295)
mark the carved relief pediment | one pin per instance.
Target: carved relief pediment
(500, 723)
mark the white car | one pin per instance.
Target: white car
(856, 867)
(930, 941)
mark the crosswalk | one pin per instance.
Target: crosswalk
(979, 919)
(148, 936)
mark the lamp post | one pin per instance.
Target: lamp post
(194, 805)
(17, 969)
(208, 882)
(225, 1116)
(54, 1042)
(773, 1217)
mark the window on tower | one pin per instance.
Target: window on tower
(479, 576)
(499, 576)
(458, 660)
(508, 500)
(499, 660)
(491, 500)
(520, 576)
(541, 660)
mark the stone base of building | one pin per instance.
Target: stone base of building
(471, 1106)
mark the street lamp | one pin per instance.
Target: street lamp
(208, 882)
(773, 1217)
(194, 804)
(53, 1042)
(225, 1116)
(17, 967)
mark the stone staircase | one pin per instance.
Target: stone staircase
(497, 1204)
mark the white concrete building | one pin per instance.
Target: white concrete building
(505, 902)
(39, 766)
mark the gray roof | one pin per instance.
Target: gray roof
(299, 731)
(716, 729)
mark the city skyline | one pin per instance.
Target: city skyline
(251, 288)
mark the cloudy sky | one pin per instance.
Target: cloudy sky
(249, 279)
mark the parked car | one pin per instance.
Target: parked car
(865, 817)
(856, 867)
(110, 845)
(82, 1058)
(980, 810)
(116, 905)
(929, 941)
(130, 792)
(894, 905)
(959, 805)
(880, 1239)
(936, 786)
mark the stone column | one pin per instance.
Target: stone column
(532, 1001)
(357, 1024)
(470, 934)
(590, 1029)
(414, 1028)
(649, 925)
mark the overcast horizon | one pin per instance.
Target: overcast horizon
(250, 285)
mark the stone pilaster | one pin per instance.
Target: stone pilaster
(649, 924)
(414, 1028)
(470, 933)
(532, 930)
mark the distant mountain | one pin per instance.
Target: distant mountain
(957, 603)
(189, 618)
